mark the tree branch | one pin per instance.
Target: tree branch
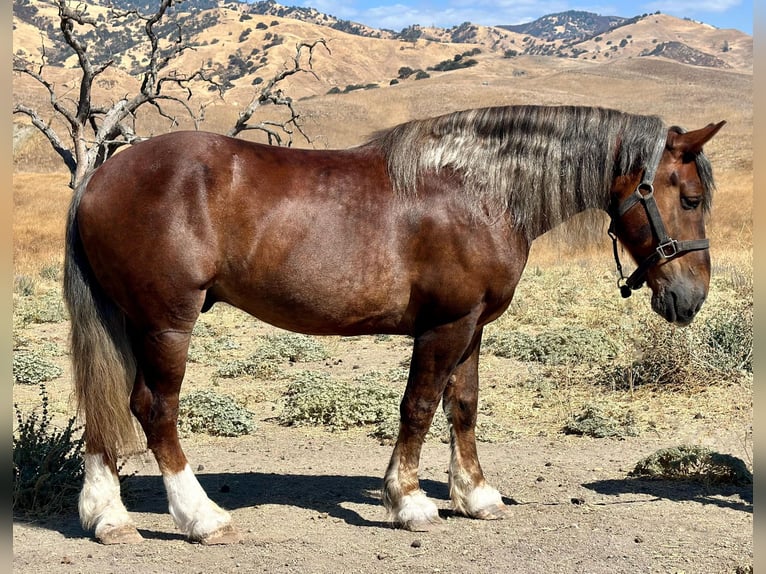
(272, 94)
(97, 130)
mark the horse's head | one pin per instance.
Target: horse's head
(660, 218)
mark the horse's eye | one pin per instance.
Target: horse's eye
(690, 202)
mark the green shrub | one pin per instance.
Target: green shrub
(726, 339)
(45, 308)
(210, 413)
(295, 347)
(32, 368)
(268, 358)
(51, 271)
(265, 362)
(595, 422)
(47, 464)
(563, 345)
(313, 398)
(693, 463)
(24, 285)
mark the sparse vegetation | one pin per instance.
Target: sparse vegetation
(47, 463)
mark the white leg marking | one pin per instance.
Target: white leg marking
(481, 498)
(193, 512)
(468, 498)
(414, 510)
(100, 506)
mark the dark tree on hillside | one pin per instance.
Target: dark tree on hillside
(86, 133)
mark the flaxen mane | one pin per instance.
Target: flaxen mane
(543, 163)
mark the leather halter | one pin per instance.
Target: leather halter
(667, 247)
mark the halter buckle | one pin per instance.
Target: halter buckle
(668, 250)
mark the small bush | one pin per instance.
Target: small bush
(693, 463)
(295, 347)
(268, 358)
(715, 347)
(594, 422)
(313, 398)
(46, 308)
(51, 271)
(264, 363)
(566, 344)
(32, 368)
(24, 285)
(726, 339)
(47, 464)
(217, 415)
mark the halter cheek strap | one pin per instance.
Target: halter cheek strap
(667, 247)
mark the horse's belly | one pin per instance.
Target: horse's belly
(324, 301)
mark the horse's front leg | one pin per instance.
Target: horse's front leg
(434, 357)
(470, 493)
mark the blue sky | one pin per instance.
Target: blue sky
(396, 14)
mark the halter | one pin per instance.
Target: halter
(667, 247)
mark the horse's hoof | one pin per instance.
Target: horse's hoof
(493, 512)
(225, 535)
(125, 534)
(430, 524)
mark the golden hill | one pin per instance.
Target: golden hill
(683, 94)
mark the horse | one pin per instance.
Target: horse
(424, 230)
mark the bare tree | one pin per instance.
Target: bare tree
(94, 132)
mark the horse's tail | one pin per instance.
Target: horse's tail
(103, 363)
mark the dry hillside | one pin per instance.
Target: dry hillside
(352, 94)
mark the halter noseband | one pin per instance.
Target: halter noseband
(667, 247)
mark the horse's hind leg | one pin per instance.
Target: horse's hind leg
(435, 355)
(470, 493)
(161, 355)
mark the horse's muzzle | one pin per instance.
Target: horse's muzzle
(678, 304)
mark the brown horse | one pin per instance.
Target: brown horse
(423, 231)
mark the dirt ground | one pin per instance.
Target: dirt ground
(308, 500)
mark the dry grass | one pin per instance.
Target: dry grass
(40, 205)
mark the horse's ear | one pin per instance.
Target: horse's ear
(690, 143)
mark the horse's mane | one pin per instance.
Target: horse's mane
(543, 163)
